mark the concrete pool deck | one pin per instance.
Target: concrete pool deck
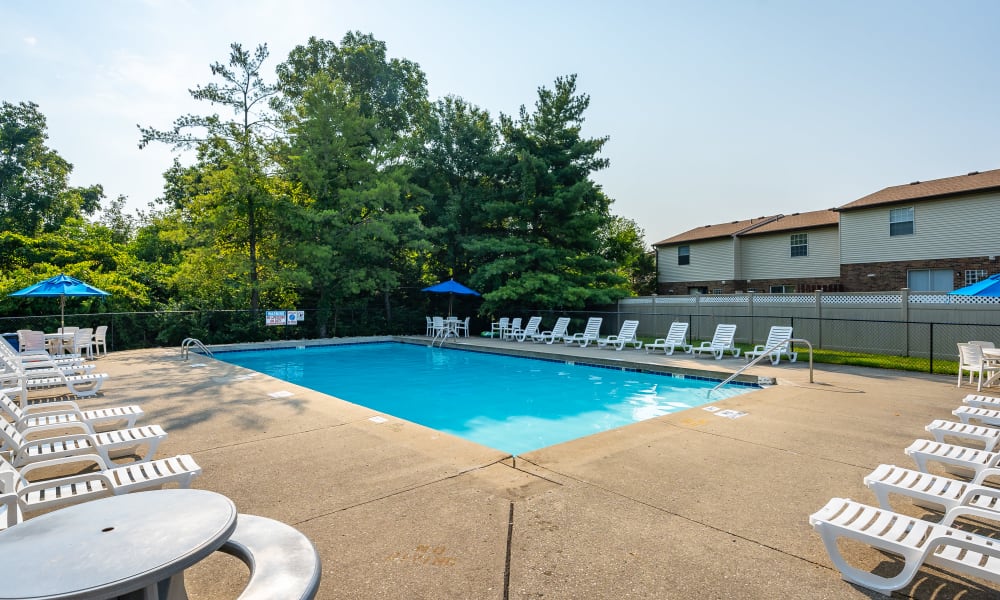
(689, 505)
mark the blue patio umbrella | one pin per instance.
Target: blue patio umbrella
(451, 287)
(984, 287)
(60, 286)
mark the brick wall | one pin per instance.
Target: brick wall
(892, 275)
(827, 284)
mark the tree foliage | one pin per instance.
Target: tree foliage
(337, 187)
(35, 195)
(544, 250)
(236, 160)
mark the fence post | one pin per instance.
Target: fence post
(930, 349)
(819, 317)
(904, 298)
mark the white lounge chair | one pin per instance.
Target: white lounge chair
(774, 345)
(109, 480)
(589, 334)
(721, 343)
(952, 496)
(676, 338)
(558, 332)
(40, 377)
(982, 401)
(62, 414)
(513, 328)
(978, 465)
(626, 336)
(987, 436)
(120, 442)
(986, 416)
(529, 330)
(917, 542)
(29, 358)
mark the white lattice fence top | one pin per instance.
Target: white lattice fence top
(972, 300)
(725, 299)
(862, 298)
(785, 299)
(929, 299)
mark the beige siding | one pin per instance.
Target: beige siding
(769, 256)
(712, 259)
(952, 228)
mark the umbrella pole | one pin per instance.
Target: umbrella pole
(62, 312)
(451, 298)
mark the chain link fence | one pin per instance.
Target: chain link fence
(926, 346)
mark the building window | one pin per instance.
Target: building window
(695, 291)
(901, 221)
(800, 244)
(717, 291)
(974, 276)
(930, 280)
(783, 289)
(683, 255)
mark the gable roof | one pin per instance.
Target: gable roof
(925, 190)
(806, 220)
(818, 218)
(707, 232)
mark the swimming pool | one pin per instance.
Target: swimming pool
(508, 403)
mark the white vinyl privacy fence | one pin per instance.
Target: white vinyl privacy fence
(903, 324)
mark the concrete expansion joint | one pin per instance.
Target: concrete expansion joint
(392, 494)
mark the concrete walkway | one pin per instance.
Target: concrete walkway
(688, 505)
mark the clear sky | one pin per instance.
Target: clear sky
(716, 110)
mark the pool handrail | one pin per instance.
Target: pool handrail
(767, 353)
(188, 343)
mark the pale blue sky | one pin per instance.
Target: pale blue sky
(716, 111)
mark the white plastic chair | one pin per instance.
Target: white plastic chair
(970, 359)
(99, 341)
(430, 326)
(513, 329)
(498, 328)
(462, 328)
(83, 342)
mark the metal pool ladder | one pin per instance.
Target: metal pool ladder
(767, 353)
(190, 343)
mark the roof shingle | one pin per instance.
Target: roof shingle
(922, 190)
(818, 218)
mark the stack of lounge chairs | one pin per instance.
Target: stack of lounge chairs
(918, 542)
(106, 450)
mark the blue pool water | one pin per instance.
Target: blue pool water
(509, 403)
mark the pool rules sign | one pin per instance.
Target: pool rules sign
(284, 317)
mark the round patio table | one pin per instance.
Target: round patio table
(115, 546)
